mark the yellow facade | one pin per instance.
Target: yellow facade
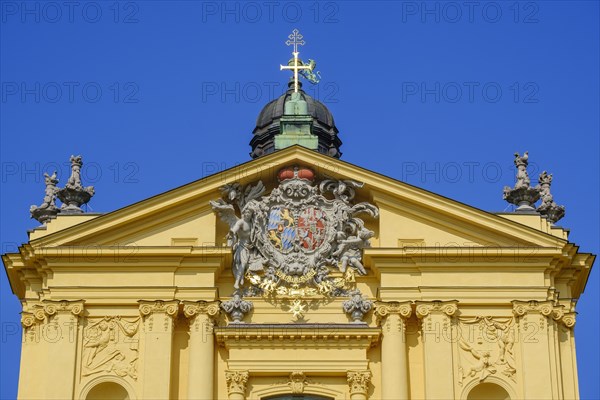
(468, 304)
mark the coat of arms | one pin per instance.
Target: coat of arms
(286, 243)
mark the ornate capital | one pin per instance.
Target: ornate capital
(385, 308)
(209, 310)
(359, 381)
(424, 308)
(236, 381)
(170, 307)
(193, 308)
(546, 308)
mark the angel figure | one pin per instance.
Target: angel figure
(483, 366)
(239, 236)
(350, 250)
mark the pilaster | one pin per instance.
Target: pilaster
(201, 315)
(158, 321)
(436, 317)
(394, 364)
(537, 326)
(56, 339)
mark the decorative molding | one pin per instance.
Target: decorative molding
(110, 345)
(359, 381)
(236, 381)
(424, 308)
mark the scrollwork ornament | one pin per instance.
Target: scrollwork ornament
(27, 320)
(568, 319)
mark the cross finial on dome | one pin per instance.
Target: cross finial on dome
(296, 65)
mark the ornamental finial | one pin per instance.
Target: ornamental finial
(296, 65)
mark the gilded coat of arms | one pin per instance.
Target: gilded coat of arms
(288, 242)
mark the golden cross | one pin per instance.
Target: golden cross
(295, 67)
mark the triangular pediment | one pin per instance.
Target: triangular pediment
(409, 216)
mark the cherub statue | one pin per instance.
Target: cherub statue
(350, 250)
(239, 236)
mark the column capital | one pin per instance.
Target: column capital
(546, 308)
(52, 307)
(385, 308)
(359, 381)
(191, 309)
(236, 382)
(424, 308)
(148, 307)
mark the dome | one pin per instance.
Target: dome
(268, 126)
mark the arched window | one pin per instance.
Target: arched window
(488, 391)
(108, 391)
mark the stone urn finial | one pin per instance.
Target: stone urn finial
(522, 194)
(357, 306)
(237, 308)
(548, 208)
(47, 210)
(74, 195)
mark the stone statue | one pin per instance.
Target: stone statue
(239, 237)
(350, 250)
(548, 208)
(47, 209)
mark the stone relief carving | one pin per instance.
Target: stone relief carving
(287, 243)
(110, 345)
(297, 382)
(486, 347)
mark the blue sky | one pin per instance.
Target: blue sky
(156, 94)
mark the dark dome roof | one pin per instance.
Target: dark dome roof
(268, 126)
